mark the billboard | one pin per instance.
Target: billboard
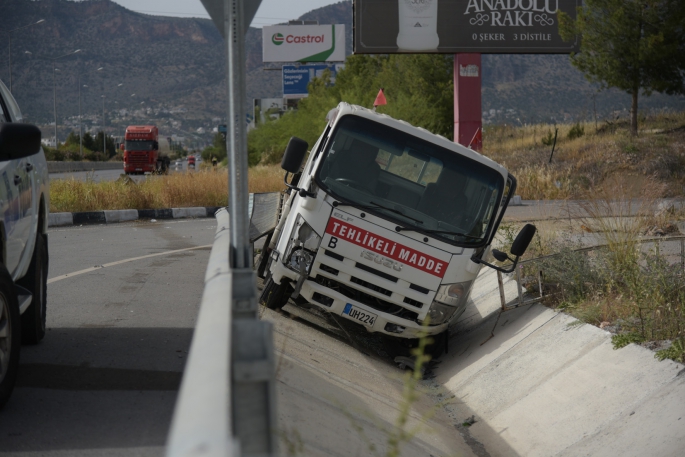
(455, 26)
(296, 78)
(303, 43)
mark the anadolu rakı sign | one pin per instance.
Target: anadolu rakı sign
(303, 43)
(453, 26)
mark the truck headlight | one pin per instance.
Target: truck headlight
(302, 247)
(449, 299)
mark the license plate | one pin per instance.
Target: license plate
(360, 315)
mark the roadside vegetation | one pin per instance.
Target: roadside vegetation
(633, 284)
(204, 188)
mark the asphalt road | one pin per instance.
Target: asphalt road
(113, 175)
(122, 304)
(104, 380)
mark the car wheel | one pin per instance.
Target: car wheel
(10, 335)
(35, 281)
(274, 295)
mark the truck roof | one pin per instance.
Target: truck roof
(141, 128)
(344, 108)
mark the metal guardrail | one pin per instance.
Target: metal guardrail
(226, 405)
(657, 241)
(66, 167)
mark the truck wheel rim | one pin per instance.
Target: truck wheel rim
(5, 337)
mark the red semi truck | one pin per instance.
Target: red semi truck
(141, 151)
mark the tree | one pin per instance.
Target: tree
(419, 90)
(631, 45)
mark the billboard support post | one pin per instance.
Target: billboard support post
(467, 98)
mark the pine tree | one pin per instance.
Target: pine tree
(631, 45)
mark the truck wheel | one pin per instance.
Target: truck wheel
(33, 319)
(274, 295)
(10, 335)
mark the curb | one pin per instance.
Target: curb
(125, 215)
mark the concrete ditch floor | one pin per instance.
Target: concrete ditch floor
(544, 385)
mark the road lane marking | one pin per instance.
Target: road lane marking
(119, 262)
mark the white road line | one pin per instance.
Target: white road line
(119, 262)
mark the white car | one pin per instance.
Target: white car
(24, 203)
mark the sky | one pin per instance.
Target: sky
(270, 11)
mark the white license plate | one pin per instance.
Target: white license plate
(360, 315)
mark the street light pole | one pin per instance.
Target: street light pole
(104, 136)
(80, 124)
(54, 88)
(54, 99)
(9, 34)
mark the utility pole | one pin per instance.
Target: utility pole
(9, 34)
(104, 136)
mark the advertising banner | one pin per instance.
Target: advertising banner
(303, 43)
(461, 26)
(296, 78)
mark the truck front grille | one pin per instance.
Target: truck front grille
(373, 287)
(366, 299)
(137, 159)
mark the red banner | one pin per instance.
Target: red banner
(386, 247)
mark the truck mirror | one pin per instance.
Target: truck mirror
(523, 239)
(294, 154)
(18, 140)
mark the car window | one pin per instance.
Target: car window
(9, 111)
(12, 107)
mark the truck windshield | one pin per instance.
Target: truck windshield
(417, 184)
(139, 145)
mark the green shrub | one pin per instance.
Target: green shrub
(576, 131)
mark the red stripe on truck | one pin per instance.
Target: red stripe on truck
(388, 248)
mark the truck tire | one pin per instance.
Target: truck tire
(10, 335)
(274, 295)
(35, 281)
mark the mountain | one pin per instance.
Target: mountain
(176, 69)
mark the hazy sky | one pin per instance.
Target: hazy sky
(270, 11)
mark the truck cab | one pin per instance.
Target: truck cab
(387, 226)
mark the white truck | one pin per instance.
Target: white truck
(388, 225)
(24, 205)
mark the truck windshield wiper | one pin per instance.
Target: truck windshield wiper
(374, 205)
(447, 232)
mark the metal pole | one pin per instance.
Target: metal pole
(104, 138)
(518, 283)
(80, 125)
(10, 58)
(501, 290)
(54, 100)
(236, 143)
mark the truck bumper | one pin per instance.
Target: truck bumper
(335, 303)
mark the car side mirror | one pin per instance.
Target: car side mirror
(518, 248)
(18, 140)
(294, 154)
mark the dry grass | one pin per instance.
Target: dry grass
(585, 163)
(204, 188)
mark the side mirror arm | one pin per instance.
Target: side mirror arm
(303, 193)
(515, 261)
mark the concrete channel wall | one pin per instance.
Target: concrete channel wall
(543, 385)
(66, 167)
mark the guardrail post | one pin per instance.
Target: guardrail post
(518, 283)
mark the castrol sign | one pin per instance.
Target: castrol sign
(303, 43)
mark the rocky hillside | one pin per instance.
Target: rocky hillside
(179, 63)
